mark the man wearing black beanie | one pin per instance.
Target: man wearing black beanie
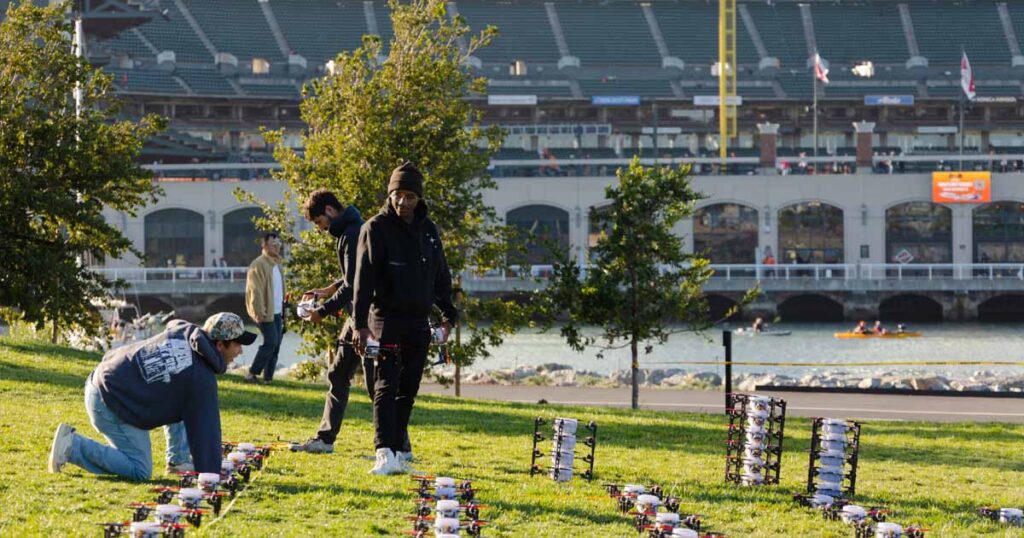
(401, 275)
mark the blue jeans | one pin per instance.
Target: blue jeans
(129, 454)
(266, 355)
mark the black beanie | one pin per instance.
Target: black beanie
(407, 178)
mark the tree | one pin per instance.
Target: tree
(58, 170)
(370, 113)
(639, 281)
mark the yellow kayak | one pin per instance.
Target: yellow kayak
(870, 335)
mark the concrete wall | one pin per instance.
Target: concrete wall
(854, 194)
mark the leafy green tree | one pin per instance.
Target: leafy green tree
(640, 287)
(58, 170)
(377, 108)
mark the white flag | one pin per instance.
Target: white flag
(820, 70)
(967, 77)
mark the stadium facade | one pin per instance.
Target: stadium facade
(582, 86)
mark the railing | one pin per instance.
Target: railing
(140, 275)
(822, 272)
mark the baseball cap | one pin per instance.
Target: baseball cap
(226, 326)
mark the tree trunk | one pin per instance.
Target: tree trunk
(53, 335)
(635, 366)
(458, 334)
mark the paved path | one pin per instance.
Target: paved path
(851, 406)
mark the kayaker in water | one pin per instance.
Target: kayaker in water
(901, 328)
(758, 325)
(878, 329)
(861, 328)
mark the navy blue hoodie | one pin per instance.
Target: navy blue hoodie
(345, 227)
(165, 379)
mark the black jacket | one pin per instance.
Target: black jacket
(345, 227)
(401, 271)
(168, 378)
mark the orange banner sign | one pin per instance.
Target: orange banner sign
(961, 187)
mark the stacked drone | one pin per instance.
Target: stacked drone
(1008, 516)
(754, 446)
(835, 446)
(445, 508)
(563, 449)
(195, 495)
(655, 513)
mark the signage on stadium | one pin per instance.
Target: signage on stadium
(961, 187)
(889, 100)
(1000, 99)
(713, 100)
(524, 100)
(615, 100)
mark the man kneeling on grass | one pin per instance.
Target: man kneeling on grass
(167, 380)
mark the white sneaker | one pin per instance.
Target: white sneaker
(404, 460)
(60, 450)
(386, 463)
(179, 468)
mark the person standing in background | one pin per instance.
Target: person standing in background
(264, 300)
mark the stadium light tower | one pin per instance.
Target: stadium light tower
(726, 75)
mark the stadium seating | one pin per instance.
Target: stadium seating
(174, 33)
(691, 33)
(848, 33)
(524, 32)
(205, 81)
(320, 29)
(238, 27)
(586, 29)
(942, 28)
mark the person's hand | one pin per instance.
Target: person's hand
(361, 337)
(314, 317)
(446, 329)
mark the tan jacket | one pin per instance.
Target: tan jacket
(259, 288)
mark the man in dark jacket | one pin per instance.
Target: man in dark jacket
(166, 380)
(401, 275)
(323, 209)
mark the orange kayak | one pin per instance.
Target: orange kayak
(869, 335)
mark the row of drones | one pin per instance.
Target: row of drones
(445, 508)
(656, 513)
(195, 495)
(754, 454)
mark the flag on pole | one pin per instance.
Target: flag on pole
(820, 70)
(967, 77)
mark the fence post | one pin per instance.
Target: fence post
(727, 343)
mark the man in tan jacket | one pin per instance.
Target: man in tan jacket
(264, 299)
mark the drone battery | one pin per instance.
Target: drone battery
(667, 518)
(565, 426)
(683, 532)
(208, 481)
(756, 437)
(447, 525)
(190, 495)
(647, 503)
(752, 452)
(564, 442)
(447, 508)
(444, 493)
(561, 474)
(227, 466)
(247, 448)
(852, 513)
(885, 529)
(635, 489)
(372, 348)
(145, 529)
(1013, 516)
(833, 446)
(751, 479)
(830, 459)
(168, 513)
(444, 482)
(820, 499)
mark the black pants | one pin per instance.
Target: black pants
(340, 378)
(397, 376)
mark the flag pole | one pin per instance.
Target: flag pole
(814, 86)
(963, 92)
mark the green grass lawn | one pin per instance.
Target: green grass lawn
(931, 474)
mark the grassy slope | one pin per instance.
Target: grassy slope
(931, 474)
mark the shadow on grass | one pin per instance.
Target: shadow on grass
(32, 374)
